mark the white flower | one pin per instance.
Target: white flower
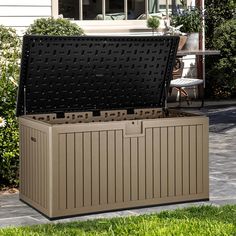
(2, 122)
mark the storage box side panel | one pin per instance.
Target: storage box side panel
(34, 166)
(206, 158)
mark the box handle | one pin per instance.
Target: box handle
(33, 139)
(133, 128)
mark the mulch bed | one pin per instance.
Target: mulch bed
(7, 191)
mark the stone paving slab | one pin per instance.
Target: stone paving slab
(222, 166)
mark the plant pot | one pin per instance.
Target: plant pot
(192, 42)
(182, 41)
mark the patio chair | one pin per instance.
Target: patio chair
(180, 83)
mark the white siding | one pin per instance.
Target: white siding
(21, 13)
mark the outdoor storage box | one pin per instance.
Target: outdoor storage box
(95, 134)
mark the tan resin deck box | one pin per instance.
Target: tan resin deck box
(94, 135)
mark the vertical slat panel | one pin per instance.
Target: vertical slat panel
(28, 148)
(103, 167)
(95, 168)
(126, 169)
(70, 151)
(164, 156)
(141, 168)
(193, 160)
(205, 151)
(32, 170)
(185, 147)
(171, 161)
(45, 170)
(62, 172)
(178, 161)
(40, 153)
(79, 170)
(149, 164)
(35, 171)
(199, 159)
(22, 160)
(38, 169)
(30, 164)
(134, 169)
(87, 170)
(34, 162)
(119, 171)
(35, 168)
(42, 186)
(26, 183)
(111, 167)
(156, 161)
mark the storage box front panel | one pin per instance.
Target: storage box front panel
(34, 167)
(106, 170)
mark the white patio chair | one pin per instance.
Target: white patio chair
(180, 83)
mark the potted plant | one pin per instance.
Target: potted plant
(191, 22)
(153, 22)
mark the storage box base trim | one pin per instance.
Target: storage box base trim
(58, 215)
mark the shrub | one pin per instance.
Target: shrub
(190, 19)
(218, 12)
(9, 136)
(223, 74)
(153, 23)
(9, 74)
(51, 26)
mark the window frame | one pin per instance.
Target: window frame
(55, 9)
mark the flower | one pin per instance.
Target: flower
(2, 122)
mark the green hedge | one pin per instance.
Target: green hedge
(221, 81)
(10, 46)
(51, 26)
(220, 34)
(9, 136)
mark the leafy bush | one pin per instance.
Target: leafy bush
(190, 19)
(218, 12)
(222, 76)
(9, 136)
(153, 23)
(51, 26)
(9, 73)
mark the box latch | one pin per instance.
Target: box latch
(133, 128)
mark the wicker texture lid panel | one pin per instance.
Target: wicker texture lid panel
(63, 74)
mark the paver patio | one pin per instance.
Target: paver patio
(222, 162)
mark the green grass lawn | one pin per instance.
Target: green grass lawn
(204, 220)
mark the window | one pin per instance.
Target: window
(112, 9)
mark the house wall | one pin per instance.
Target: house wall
(19, 14)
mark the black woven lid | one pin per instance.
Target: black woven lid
(68, 74)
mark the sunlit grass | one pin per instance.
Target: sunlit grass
(204, 220)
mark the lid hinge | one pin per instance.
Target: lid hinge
(130, 111)
(60, 114)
